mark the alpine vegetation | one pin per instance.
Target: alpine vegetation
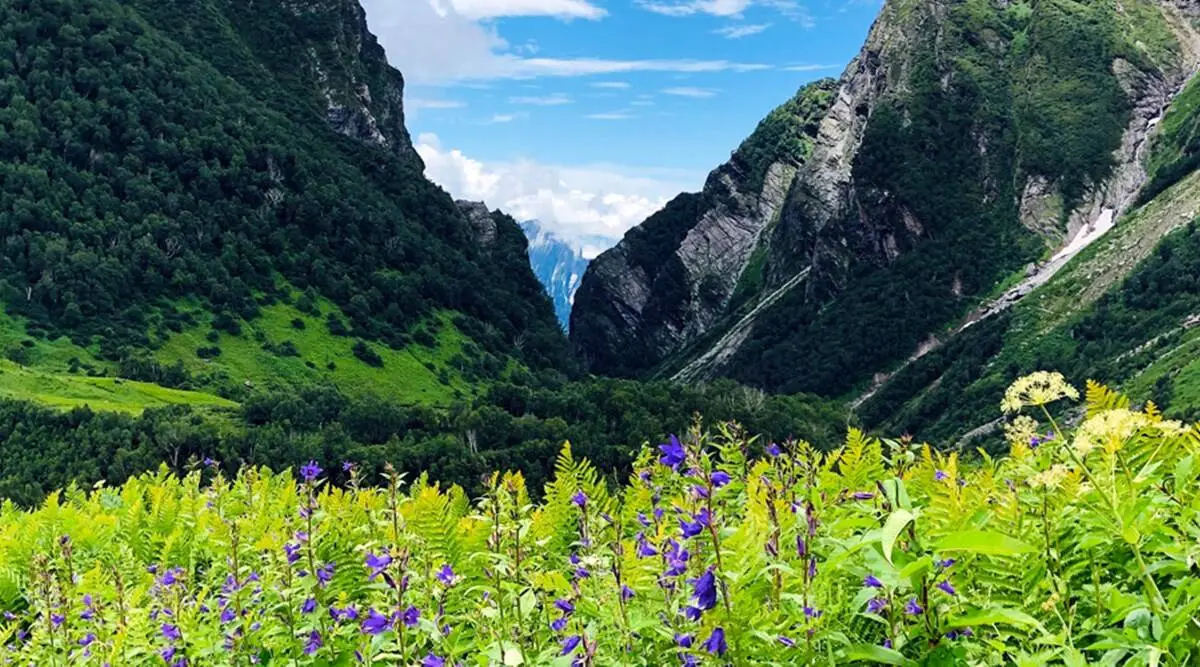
(1078, 547)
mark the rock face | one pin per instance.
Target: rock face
(480, 218)
(558, 265)
(362, 94)
(667, 282)
(965, 140)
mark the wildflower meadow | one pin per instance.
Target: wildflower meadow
(1078, 547)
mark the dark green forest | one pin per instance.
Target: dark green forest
(1124, 332)
(515, 426)
(134, 174)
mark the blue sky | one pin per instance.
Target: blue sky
(590, 114)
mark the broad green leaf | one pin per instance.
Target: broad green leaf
(983, 542)
(993, 616)
(916, 568)
(892, 529)
(877, 654)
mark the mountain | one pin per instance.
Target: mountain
(970, 152)
(557, 264)
(219, 195)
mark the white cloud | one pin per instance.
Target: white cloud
(740, 31)
(809, 68)
(492, 9)
(554, 100)
(430, 41)
(790, 9)
(504, 118)
(614, 85)
(611, 115)
(590, 206)
(713, 7)
(689, 91)
(425, 103)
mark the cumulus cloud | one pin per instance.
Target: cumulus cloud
(415, 103)
(740, 31)
(492, 9)
(430, 41)
(790, 9)
(556, 99)
(611, 115)
(688, 91)
(589, 206)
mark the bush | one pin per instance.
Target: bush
(368, 355)
(208, 352)
(880, 552)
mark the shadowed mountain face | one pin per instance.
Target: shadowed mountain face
(557, 264)
(172, 163)
(968, 143)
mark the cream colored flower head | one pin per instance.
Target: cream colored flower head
(1051, 478)
(1109, 429)
(1040, 388)
(1021, 430)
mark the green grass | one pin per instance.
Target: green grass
(411, 375)
(47, 355)
(99, 393)
(1144, 28)
(1104, 263)
(1179, 129)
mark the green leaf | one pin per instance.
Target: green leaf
(878, 654)
(891, 530)
(983, 542)
(915, 569)
(994, 616)
(896, 494)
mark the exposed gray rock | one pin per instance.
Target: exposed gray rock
(483, 225)
(363, 95)
(664, 305)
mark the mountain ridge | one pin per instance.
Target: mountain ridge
(871, 222)
(219, 160)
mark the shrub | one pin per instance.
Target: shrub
(368, 355)
(1073, 549)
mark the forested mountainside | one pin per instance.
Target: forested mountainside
(963, 159)
(557, 264)
(180, 177)
(217, 240)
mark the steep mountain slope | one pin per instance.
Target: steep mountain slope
(557, 264)
(967, 141)
(674, 275)
(1125, 310)
(172, 170)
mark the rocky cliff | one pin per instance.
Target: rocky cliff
(968, 143)
(319, 51)
(671, 278)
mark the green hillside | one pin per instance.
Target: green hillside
(141, 173)
(1121, 312)
(97, 393)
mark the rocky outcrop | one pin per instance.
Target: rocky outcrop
(483, 225)
(362, 95)
(668, 281)
(946, 167)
